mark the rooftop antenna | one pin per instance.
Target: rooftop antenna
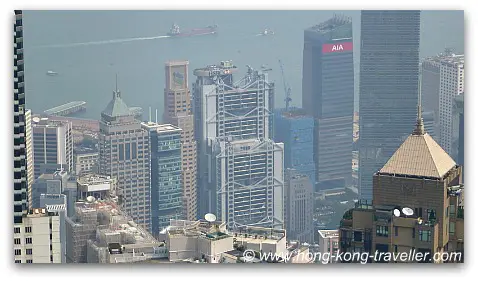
(150, 114)
(420, 128)
(156, 116)
(116, 86)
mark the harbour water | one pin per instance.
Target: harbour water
(88, 48)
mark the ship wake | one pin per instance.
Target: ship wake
(115, 41)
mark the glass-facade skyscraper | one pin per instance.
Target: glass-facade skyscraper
(389, 81)
(166, 175)
(328, 96)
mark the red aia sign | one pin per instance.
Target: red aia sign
(338, 47)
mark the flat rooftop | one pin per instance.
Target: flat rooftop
(329, 233)
(91, 179)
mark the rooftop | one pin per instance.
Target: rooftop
(420, 156)
(329, 233)
(92, 179)
(160, 128)
(331, 24)
(116, 107)
(176, 63)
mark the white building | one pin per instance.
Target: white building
(37, 238)
(443, 78)
(250, 183)
(328, 243)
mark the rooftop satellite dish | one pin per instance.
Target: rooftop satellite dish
(396, 212)
(407, 211)
(36, 119)
(210, 217)
(90, 199)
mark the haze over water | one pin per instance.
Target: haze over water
(88, 48)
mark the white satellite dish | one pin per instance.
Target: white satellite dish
(396, 212)
(90, 199)
(407, 211)
(210, 217)
(36, 119)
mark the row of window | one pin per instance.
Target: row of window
(17, 241)
(18, 252)
(28, 229)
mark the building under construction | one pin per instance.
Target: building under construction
(100, 233)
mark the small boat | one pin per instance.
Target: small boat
(266, 32)
(51, 73)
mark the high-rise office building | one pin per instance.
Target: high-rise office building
(52, 145)
(295, 129)
(389, 72)
(248, 176)
(298, 206)
(236, 158)
(166, 175)
(20, 176)
(443, 78)
(328, 96)
(178, 111)
(124, 156)
(418, 205)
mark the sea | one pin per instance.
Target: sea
(89, 49)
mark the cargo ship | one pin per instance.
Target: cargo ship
(176, 32)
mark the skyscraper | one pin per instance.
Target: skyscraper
(443, 79)
(295, 129)
(166, 175)
(389, 71)
(20, 178)
(124, 155)
(298, 206)
(328, 96)
(52, 146)
(240, 168)
(178, 111)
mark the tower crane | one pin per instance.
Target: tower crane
(287, 89)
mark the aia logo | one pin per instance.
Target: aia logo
(339, 47)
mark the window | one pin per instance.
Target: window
(18, 252)
(413, 233)
(424, 235)
(16, 241)
(358, 236)
(28, 240)
(28, 229)
(396, 230)
(396, 248)
(382, 230)
(16, 230)
(452, 228)
(29, 261)
(18, 261)
(452, 211)
(29, 251)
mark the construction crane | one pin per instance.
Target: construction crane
(287, 89)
